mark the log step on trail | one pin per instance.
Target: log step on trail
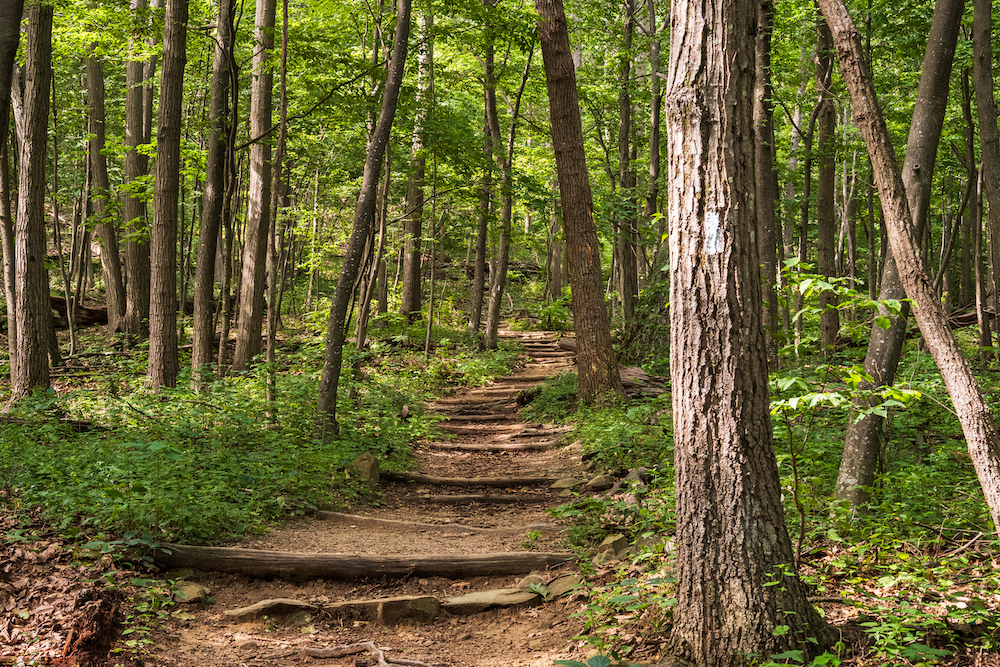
(492, 482)
(368, 522)
(301, 566)
(477, 498)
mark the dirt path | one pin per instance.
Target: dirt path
(443, 518)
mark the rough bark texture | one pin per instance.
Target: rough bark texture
(826, 181)
(627, 220)
(735, 574)
(861, 445)
(203, 336)
(974, 415)
(766, 174)
(364, 216)
(989, 134)
(163, 362)
(413, 222)
(133, 205)
(107, 232)
(598, 369)
(10, 37)
(251, 313)
(31, 304)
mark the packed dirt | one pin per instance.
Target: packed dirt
(47, 597)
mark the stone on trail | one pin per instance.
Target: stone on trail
(188, 592)
(474, 603)
(615, 544)
(388, 611)
(366, 469)
(282, 610)
(528, 580)
(566, 483)
(562, 585)
(599, 483)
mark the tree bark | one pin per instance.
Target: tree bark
(627, 222)
(10, 37)
(826, 182)
(861, 445)
(989, 134)
(364, 215)
(107, 232)
(203, 325)
(251, 309)
(977, 423)
(133, 205)
(163, 361)
(31, 305)
(766, 175)
(599, 381)
(413, 222)
(735, 579)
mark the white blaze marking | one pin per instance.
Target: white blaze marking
(713, 233)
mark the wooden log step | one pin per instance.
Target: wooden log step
(488, 429)
(494, 417)
(470, 498)
(536, 432)
(301, 566)
(492, 482)
(374, 523)
(541, 446)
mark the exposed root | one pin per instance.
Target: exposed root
(353, 649)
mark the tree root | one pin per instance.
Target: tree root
(352, 649)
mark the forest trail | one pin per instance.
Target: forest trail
(452, 541)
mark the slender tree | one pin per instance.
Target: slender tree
(364, 217)
(599, 380)
(163, 360)
(826, 182)
(766, 188)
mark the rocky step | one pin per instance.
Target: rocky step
(304, 566)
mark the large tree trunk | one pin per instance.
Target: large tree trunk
(973, 413)
(861, 445)
(826, 182)
(163, 361)
(989, 134)
(31, 304)
(203, 336)
(364, 216)
(107, 231)
(732, 544)
(251, 313)
(599, 381)
(10, 37)
(134, 205)
(413, 222)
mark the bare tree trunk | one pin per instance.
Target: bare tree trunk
(107, 232)
(10, 37)
(627, 223)
(163, 361)
(251, 313)
(364, 215)
(735, 575)
(861, 445)
(972, 411)
(203, 324)
(413, 222)
(31, 305)
(826, 211)
(766, 188)
(599, 381)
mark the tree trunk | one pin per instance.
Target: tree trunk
(413, 222)
(627, 222)
(826, 212)
(732, 544)
(10, 37)
(134, 205)
(364, 215)
(203, 325)
(599, 381)
(107, 231)
(31, 305)
(766, 187)
(973, 413)
(861, 445)
(251, 313)
(989, 134)
(163, 362)
(656, 99)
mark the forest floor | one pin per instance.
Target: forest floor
(530, 632)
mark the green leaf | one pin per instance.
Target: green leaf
(599, 661)
(794, 655)
(780, 630)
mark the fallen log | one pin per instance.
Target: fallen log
(415, 526)
(300, 566)
(490, 498)
(492, 482)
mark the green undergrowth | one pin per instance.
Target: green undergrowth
(109, 457)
